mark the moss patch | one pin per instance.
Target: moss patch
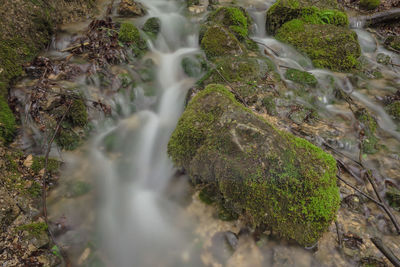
(394, 110)
(369, 4)
(301, 77)
(370, 141)
(35, 229)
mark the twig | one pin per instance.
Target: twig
(339, 234)
(359, 191)
(44, 191)
(75, 46)
(233, 92)
(273, 51)
(384, 205)
(386, 251)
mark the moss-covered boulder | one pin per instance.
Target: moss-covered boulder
(234, 18)
(316, 12)
(369, 4)
(219, 41)
(328, 46)
(129, 34)
(265, 175)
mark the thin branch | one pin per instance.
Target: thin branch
(359, 191)
(44, 191)
(386, 251)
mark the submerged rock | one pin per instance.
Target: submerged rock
(266, 175)
(328, 46)
(131, 8)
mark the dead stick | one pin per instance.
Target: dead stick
(46, 161)
(276, 54)
(359, 191)
(386, 251)
(339, 234)
(233, 92)
(384, 205)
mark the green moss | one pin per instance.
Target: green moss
(268, 103)
(152, 26)
(393, 42)
(217, 41)
(328, 46)
(35, 229)
(301, 77)
(7, 122)
(78, 188)
(67, 139)
(315, 12)
(370, 141)
(206, 195)
(128, 33)
(369, 4)
(393, 196)
(53, 165)
(78, 114)
(268, 176)
(394, 110)
(233, 18)
(194, 66)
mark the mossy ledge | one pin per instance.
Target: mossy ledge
(265, 175)
(23, 34)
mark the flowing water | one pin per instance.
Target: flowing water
(140, 211)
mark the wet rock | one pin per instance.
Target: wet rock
(130, 8)
(266, 175)
(223, 246)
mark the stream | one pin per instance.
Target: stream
(139, 210)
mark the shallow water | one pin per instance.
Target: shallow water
(140, 211)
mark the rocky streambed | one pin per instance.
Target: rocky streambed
(255, 133)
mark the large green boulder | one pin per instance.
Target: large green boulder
(328, 46)
(316, 12)
(267, 176)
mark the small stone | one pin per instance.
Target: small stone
(28, 161)
(130, 8)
